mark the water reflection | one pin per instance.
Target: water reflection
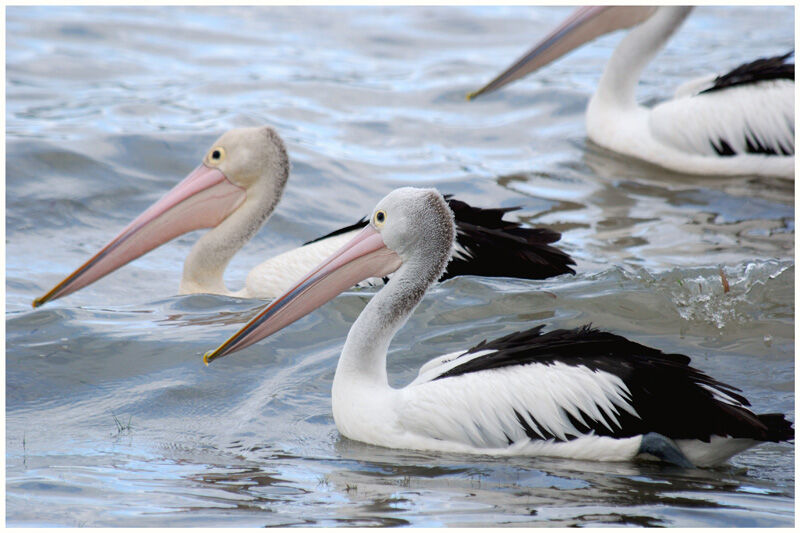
(624, 212)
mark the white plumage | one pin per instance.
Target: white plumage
(680, 134)
(276, 274)
(489, 420)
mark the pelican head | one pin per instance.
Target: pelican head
(237, 186)
(410, 228)
(584, 25)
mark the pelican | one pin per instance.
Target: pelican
(579, 393)
(236, 189)
(741, 123)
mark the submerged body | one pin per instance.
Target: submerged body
(739, 123)
(568, 393)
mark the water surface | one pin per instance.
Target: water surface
(111, 418)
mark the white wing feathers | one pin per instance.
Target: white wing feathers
(762, 113)
(459, 409)
(694, 86)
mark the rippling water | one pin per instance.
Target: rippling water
(111, 418)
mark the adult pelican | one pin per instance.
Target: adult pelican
(236, 189)
(568, 393)
(738, 123)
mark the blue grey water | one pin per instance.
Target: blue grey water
(111, 417)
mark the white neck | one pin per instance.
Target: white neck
(617, 87)
(209, 257)
(364, 353)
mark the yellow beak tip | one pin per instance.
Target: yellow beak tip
(471, 95)
(36, 303)
(206, 357)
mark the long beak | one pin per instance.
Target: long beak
(365, 256)
(585, 24)
(202, 200)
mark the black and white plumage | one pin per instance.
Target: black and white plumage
(764, 69)
(643, 391)
(746, 112)
(579, 393)
(489, 245)
(739, 123)
(757, 132)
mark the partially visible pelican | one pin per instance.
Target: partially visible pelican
(735, 124)
(568, 393)
(236, 189)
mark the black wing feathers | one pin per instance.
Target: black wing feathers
(671, 397)
(768, 68)
(496, 247)
(358, 225)
(778, 428)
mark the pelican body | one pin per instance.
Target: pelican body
(235, 190)
(740, 123)
(577, 393)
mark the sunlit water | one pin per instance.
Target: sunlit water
(111, 418)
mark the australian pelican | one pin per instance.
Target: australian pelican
(236, 189)
(577, 393)
(739, 123)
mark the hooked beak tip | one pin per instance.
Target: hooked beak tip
(471, 96)
(37, 302)
(216, 353)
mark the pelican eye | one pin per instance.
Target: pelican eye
(379, 218)
(216, 155)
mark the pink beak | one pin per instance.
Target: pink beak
(585, 24)
(365, 256)
(202, 200)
